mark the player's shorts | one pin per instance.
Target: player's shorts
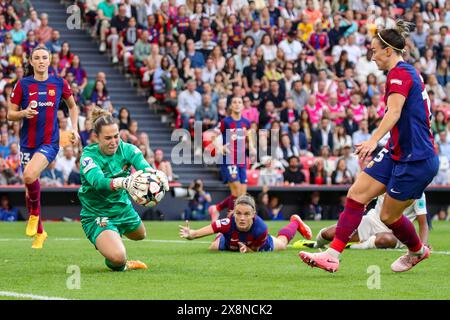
(50, 151)
(231, 173)
(267, 246)
(122, 224)
(403, 180)
(370, 225)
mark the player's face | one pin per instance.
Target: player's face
(244, 215)
(108, 139)
(380, 55)
(40, 61)
(237, 105)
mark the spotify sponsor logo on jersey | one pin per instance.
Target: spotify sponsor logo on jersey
(46, 104)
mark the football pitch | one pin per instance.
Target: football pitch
(69, 267)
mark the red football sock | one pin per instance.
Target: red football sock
(40, 226)
(231, 200)
(404, 230)
(348, 223)
(34, 195)
(222, 204)
(289, 230)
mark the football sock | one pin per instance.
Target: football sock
(40, 226)
(222, 204)
(368, 244)
(34, 195)
(114, 267)
(231, 202)
(404, 230)
(320, 241)
(348, 223)
(289, 230)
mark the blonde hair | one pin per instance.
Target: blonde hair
(245, 199)
(101, 118)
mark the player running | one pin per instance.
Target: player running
(234, 129)
(372, 232)
(34, 101)
(107, 212)
(246, 232)
(403, 169)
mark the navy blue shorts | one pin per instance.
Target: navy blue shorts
(267, 246)
(232, 173)
(403, 180)
(50, 151)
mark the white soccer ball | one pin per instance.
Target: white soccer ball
(155, 191)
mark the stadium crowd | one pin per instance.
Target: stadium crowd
(303, 69)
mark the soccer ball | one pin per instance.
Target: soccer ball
(155, 192)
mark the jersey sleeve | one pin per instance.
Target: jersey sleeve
(420, 206)
(16, 94)
(93, 174)
(67, 91)
(136, 157)
(221, 226)
(399, 81)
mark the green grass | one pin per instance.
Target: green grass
(188, 270)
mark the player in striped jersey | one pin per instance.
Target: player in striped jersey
(34, 101)
(244, 231)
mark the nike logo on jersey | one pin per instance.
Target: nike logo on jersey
(32, 93)
(393, 191)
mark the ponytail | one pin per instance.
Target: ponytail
(101, 118)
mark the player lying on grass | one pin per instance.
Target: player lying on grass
(107, 212)
(372, 232)
(244, 231)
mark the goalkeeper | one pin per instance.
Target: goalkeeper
(107, 212)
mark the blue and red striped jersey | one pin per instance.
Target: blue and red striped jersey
(411, 137)
(43, 128)
(234, 132)
(254, 238)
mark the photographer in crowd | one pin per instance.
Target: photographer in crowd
(199, 202)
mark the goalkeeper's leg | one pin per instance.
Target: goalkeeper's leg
(110, 245)
(139, 234)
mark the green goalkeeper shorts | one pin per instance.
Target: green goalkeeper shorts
(126, 222)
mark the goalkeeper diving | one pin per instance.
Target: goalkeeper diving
(106, 184)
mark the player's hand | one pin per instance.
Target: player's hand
(365, 149)
(30, 113)
(243, 248)
(185, 231)
(75, 138)
(132, 184)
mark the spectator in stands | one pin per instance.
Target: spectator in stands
(65, 56)
(22, 9)
(322, 136)
(66, 163)
(65, 133)
(318, 40)
(286, 149)
(17, 59)
(106, 10)
(269, 175)
(32, 23)
(438, 124)
(124, 119)
(78, 72)
(54, 44)
(349, 123)
(340, 139)
(198, 206)
(312, 210)
(317, 173)
(443, 175)
(275, 207)
(207, 113)
(100, 95)
(164, 165)
(145, 141)
(351, 160)
(293, 174)
(341, 175)
(419, 35)
(52, 177)
(12, 161)
(289, 114)
(443, 144)
(299, 95)
(4, 145)
(298, 138)
(44, 32)
(262, 204)
(362, 134)
(142, 49)
(118, 23)
(74, 176)
(188, 102)
(7, 211)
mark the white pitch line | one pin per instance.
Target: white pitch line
(179, 242)
(28, 296)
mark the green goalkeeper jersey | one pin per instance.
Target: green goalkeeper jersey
(97, 170)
